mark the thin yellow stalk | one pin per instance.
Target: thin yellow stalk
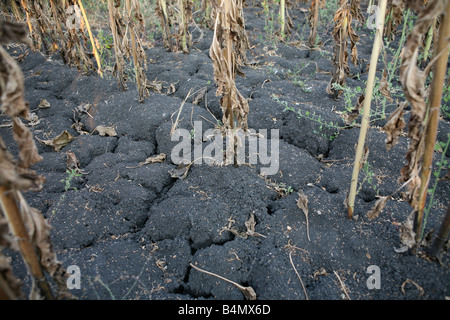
(366, 107)
(94, 49)
(11, 211)
(440, 69)
(282, 17)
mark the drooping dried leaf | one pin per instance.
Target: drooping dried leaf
(384, 87)
(58, 142)
(28, 153)
(341, 32)
(355, 112)
(72, 162)
(395, 9)
(228, 54)
(251, 224)
(394, 125)
(13, 176)
(302, 203)
(200, 96)
(39, 231)
(106, 131)
(407, 234)
(11, 87)
(413, 83)
(377, 208)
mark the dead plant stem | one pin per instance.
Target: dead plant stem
(366, 108)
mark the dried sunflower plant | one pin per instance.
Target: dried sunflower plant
(28, 227)
(228, 54)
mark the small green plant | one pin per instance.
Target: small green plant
(71, 174)
(299, 82)
(317, 118)
(105, 44)
(368, 177)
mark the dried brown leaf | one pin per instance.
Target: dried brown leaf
(251, 224)
(28, 153)
(302, 203)
(106, 131)
(377, 208)
(355, 112)
(413, 83)
(384, 87)
(13, 176)
(160, 158)
(58, 142)
(394, 125)
(39, 231)
(407, 234)
(44, 104)
(12, 87)
(71, 161)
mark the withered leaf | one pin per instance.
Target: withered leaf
(160, 158)
(302, 203)
(28, 153)
(39, 231)
(71, 160)
(12, 90)
(44, 104)
(180, 172)
(106, 131)
(200, 96)
(14, 176)
(384, 87)
(354, 113)
(407, 234)
(377, 208)
(413, 83)
(251, 224)
(58, 142)
(394, 125)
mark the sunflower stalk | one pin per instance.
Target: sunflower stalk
(434, 104)
(228, 53)
(366, 107)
